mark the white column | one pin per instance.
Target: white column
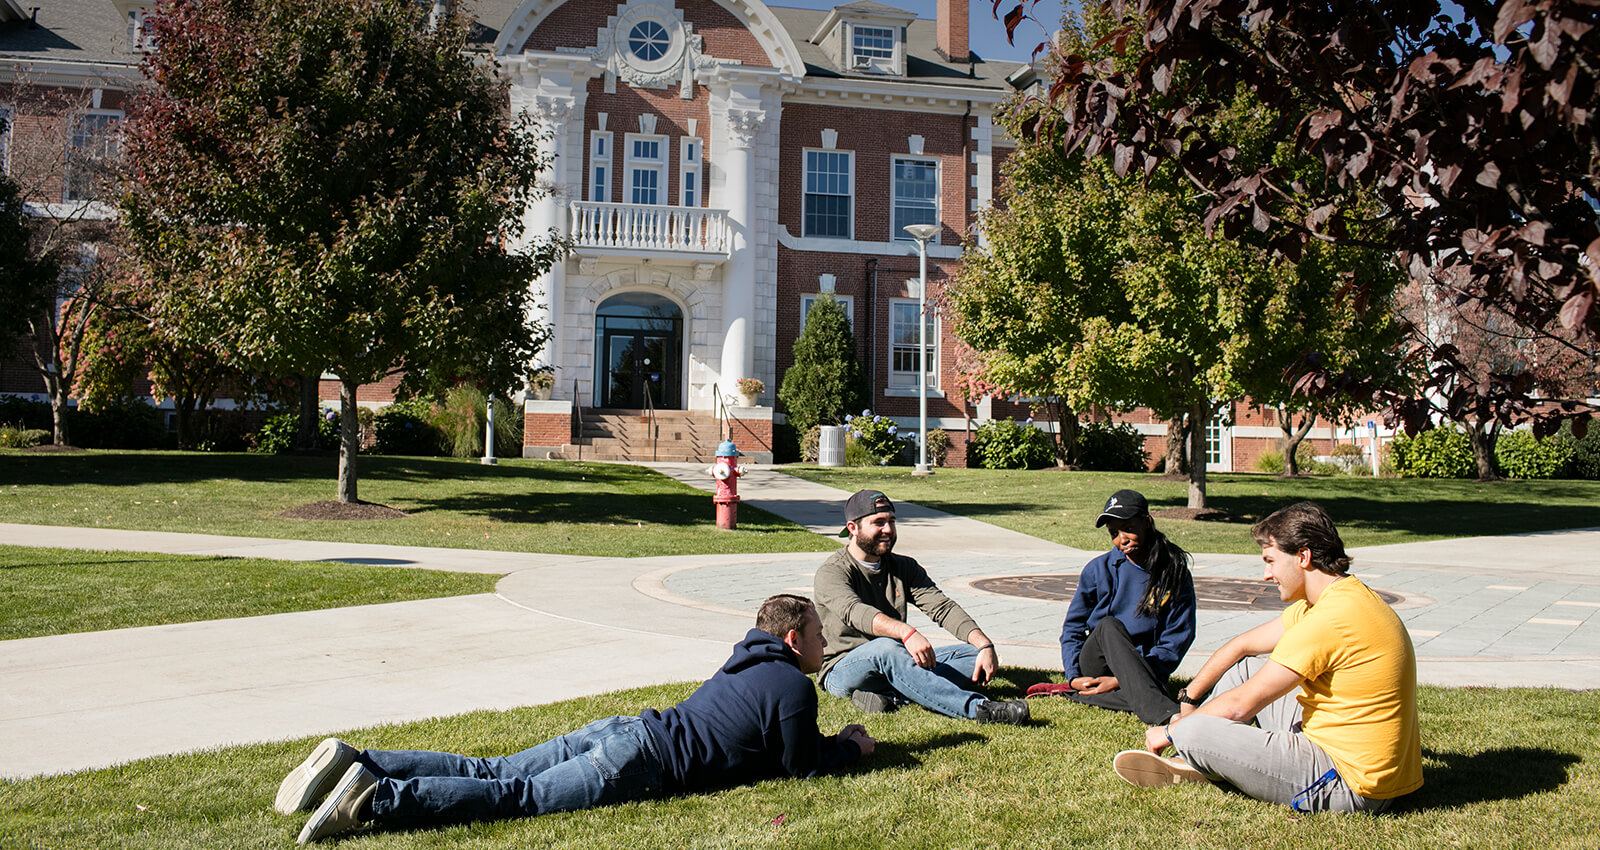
(548, 213)
(738, 276)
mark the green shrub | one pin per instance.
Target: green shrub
(1351, 459)
(18, 437)
(1440, 453)
(225, 430)
(1585, 452)
(1270, 461)
(277, 435)
(126, 425)
(824, 383)
(1111, 448)
(938, 446)
(1305, 456)
(879, 438)
(403, 428)
(811, 444)
(1519, 454)
(1005, 444)
(28, 414)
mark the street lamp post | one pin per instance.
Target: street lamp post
(922, 233)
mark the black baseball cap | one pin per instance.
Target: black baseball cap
(864, 503)
(1123, 504)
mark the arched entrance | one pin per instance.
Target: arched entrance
(639, 351)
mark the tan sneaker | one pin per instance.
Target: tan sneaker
(314, 778)
(341, 812)
(1148, 770)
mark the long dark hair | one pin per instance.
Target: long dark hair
(1168, 567)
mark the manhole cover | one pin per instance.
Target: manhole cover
(1212, 594)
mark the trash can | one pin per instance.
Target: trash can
(830, 445)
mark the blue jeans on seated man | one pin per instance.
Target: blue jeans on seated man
(883, 666)
(612, 760)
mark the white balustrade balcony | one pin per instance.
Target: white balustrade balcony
(650, 230)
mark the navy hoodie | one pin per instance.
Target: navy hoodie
(755, 719)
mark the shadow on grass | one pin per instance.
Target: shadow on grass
(1499, 774)
(906, 756)
(132, 468)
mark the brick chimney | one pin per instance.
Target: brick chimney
(952, 27)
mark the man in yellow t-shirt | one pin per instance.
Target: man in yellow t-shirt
(1335, 703)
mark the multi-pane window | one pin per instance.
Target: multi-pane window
(847, 302)
(827, 194)
(876, 42)
(600, 166)
(91, 152)
(689, 183)
(905, 353)
(647, 164)
(916, 194)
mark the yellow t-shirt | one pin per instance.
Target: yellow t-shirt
(1360, 691)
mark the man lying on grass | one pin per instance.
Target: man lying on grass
(1350, 741)
(755, 719)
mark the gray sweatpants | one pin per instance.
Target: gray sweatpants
(1273, 761)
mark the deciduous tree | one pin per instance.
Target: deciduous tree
(334, 185)
(1472, 127)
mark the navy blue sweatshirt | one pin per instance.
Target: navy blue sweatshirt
(1111, 586)
(755, 719)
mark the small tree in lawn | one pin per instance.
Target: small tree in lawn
(334, 185)
(824, 383)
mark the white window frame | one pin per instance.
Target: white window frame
(874, 58)
(848, 302)
(907, 379)
(849, 195)
(600, 159)
(897, 231)
(637, 164)
(690, 151)
(1219, 444)
(113, 146)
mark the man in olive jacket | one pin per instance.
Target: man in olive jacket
(877, 660)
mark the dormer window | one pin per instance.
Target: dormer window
(872, 49)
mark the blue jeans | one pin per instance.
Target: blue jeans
(608, 761)
(883, 666)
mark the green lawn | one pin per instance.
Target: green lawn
(518, 506)
(1503, 768)
(60, 591)
(1062, 506)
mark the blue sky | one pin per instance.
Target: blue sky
(986, 35)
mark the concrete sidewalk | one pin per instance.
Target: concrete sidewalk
(1517, 610)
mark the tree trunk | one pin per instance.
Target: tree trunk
(1483, 436)
(1198, 417)
(349, 441)
(183, 417)
(1292, 437)
(305, 438)
(1066, 433)
(1173, 463)
(58, 411)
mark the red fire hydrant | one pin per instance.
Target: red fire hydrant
(727, 471)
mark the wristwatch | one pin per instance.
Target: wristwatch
(1183, 697)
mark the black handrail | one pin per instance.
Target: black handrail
(650, 410)
(577, 402)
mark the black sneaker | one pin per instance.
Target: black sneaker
(1014, 712)
(872, 703)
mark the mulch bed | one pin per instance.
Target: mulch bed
(333, 509)
(1198, 514)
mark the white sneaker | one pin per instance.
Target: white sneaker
(309, 782)
(341, 812)
(1148, 770)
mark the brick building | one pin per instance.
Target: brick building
(719, 165)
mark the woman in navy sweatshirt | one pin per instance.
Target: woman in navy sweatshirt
(1132, 619)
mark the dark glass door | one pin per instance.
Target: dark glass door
(639, 363)
(638, 352)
